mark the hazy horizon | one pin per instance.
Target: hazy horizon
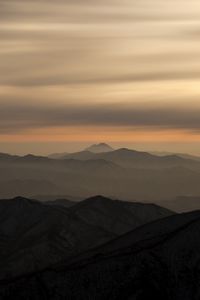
(76, 147)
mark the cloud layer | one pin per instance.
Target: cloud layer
(131, 64)
(14, 118)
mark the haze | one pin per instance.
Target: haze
(77, 72)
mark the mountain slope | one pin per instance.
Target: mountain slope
(117, 217)
(26, 187)
(35, 235)
(61, 202)
(99, 148)
(95, 148)
(182, 204)
(4, 157)
(136, 159)
(85, 178)
(158, 261)
(82, 155)
(57, 155)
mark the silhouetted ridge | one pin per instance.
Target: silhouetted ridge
(18, 201)
(34, 235)
(33, 158)
(158, 260)
(117, 216)
(61, 202)
(4, 157)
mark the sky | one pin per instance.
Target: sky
(76, 72)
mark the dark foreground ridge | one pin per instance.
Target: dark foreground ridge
(159, 260)
(35, 235)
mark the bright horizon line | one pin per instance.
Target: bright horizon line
(73, 147)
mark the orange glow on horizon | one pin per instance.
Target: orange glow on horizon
(107, 134)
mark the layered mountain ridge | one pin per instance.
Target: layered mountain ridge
(160, 259)
(122, 173)
(35, 235)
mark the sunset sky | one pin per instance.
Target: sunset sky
(75, 72)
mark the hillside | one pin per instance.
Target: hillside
(182, 204)
(117, 217)
(35, 235)
(159, 260)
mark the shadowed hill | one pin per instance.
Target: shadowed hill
(158, 260)
(35, 235)
(117, 216)
(182, 204)
(61, 202)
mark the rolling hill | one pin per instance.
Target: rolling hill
(158, 260)
(117, 217)
(34, 235)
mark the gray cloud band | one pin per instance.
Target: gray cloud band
(14, 119)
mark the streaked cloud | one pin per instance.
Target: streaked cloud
(112, 63)
(16, 118)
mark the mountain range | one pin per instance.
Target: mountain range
(36, 235)
(123, 173)
(158, 260)
(58, 241)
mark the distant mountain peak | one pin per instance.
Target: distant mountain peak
(19, 198)
(98, 198)
(98, 148)
(33, 158)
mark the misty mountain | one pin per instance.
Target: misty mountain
(123, 174)
(183, 155)
(94, 165)
(99, 148)
(188, 156)
(123, 157)
(26, 187)
(182, 204)
(135, 159)
(30, 158)
(58, 155)
(35, 235)
(84, 154)
(82, 179)
(4, 157)
(160, 259)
